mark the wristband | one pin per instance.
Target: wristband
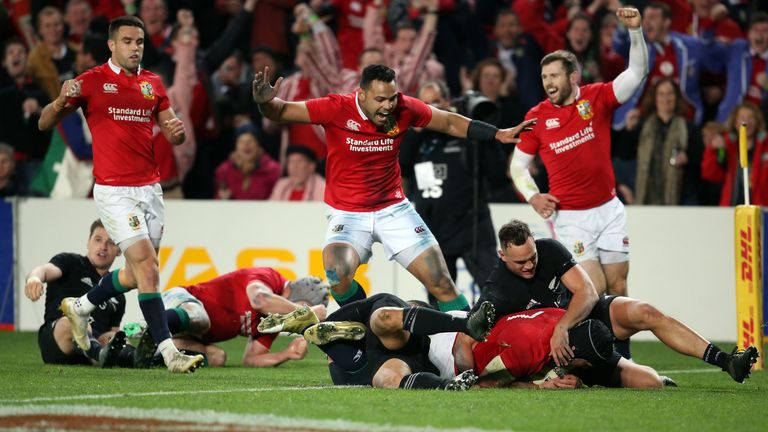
(481, 131)
(33, 279)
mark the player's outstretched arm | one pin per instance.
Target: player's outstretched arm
(59, 108)
(274, 108)
(37, 277)
(257, 355)
(625, 85)
(462, 127)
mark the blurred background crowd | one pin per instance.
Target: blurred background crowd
(674, 143)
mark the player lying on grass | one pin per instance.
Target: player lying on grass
(72, 275)
(542, 273)
(232, 305)
(517, 354)
(377, 354)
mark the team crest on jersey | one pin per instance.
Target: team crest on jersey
(353, 125)
(133, 222)
(578, 248)
(585, 109)
(146, 90)
(394, 131)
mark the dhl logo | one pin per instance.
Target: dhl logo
(745, 251)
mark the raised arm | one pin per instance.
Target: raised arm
(59, 108)
(274, 108)
(40, 275)
(627, 83)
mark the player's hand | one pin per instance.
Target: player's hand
(630, 17)
(717, 142)
(511, 135)
(71, 88)
(297, 349)
(30, 106)
(321, 311)
(263, 92)
(544, 204)
(561, 350)
(566, 382)
(175, 126)
(33, 289)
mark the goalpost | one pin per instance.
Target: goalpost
(749, 264)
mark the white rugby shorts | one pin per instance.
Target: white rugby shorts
(177, 296)
(131, 212)
(397, 227)
(598, 233)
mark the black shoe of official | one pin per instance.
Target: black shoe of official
(480, 321)
(145, 351)
(108, 353)
(667, 381)
(739, 363)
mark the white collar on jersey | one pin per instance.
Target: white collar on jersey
(575, 98)
(117, 69)
(359, 110)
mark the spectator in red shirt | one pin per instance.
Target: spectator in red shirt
(303, 183)
(721, 158)
(249, 173)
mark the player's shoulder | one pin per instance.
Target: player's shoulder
(589, 89)
(149, 75)
(94, 73)
(67, 259)
(548, 245)
(541, 107)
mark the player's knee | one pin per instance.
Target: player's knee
(199, 322)
(216, 358)
(648, 315)
(386, 321)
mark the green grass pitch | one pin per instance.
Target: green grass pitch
(298, 395)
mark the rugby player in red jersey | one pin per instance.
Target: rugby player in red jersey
(121, 103)
(233, 304)
(573, 140)
(364, 193)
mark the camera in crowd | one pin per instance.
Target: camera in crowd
(478, 107)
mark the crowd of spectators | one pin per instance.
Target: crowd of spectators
(675, 142)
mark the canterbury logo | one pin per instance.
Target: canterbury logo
(419, 229)
(110, 88)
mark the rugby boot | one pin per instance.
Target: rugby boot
(182, 363)
(329, 331)
(739, 363)
(462, 381)
(78, 323)
(109, 352)
(145, 351)
(667, 381)
(293, 322)
(480, 321)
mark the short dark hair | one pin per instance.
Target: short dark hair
(376, 72)
(123, 21)
(758, 18)
(568, 59)
(13, 40)
(666, 12)
(302, 150)
(96, 224)
(95, 44)
(514, 232)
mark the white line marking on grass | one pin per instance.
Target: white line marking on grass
(684, 371)
(169, 393)
(214, 418)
